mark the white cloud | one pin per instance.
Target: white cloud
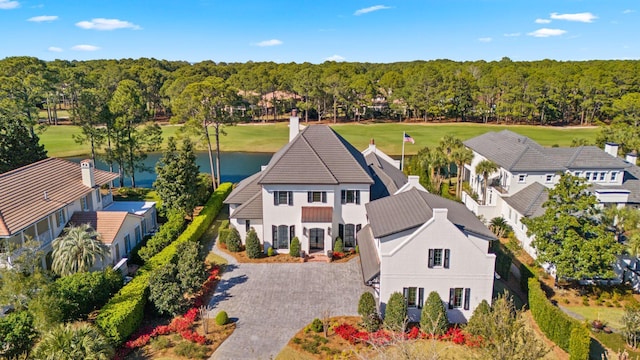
(85, 48)
(272, 42)
(485, 39)
(512, 34)
(545, 32)
(585, 17)
(43, 18)
(107, 24)
(8, 4)
(370, 9)
(334, 58)
(54, 49)
(628, 11)
(542, 21)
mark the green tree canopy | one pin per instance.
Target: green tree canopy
(77, 250)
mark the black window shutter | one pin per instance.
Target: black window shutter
(275, 198)
(358, 228)
(405, 293)
(357, 196)
(309, 196)
(341, 231)
(290, 197)
(467, 295)
(274, 231)
(324, 196)
(447, 253)
(430, 258)
(292, 232)
(343, 196)
(452, 292)
(420, 297)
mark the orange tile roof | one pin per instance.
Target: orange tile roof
(22, 191)
(106, 223)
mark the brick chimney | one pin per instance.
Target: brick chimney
(88, 173)
(294, 124)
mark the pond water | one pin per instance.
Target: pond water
(234, 166)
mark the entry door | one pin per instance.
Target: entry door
(316, 239)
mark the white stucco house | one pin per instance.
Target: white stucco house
(314, 188)
(39, 200)
(416, 242)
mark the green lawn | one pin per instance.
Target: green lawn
(612, 317)
(388, 136)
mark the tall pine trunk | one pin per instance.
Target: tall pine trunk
(210, 152)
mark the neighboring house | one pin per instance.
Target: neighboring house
(526, 170)
(416, 242)
(38, 200)
(314, 188)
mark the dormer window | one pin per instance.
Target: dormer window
(587, 175)
(602, 175)
(614, 176)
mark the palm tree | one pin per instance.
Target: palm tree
(77, 250)
(486, 168)
(73, 342)
(448, 144)
(434, 160)
(460, 157)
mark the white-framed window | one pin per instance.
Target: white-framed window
(282, 235)
(414, 297)
(614, 176)
(317, 196)
(577, 173)
(127, 243)
(283, 198)
(84, 203)
(347, 232)
(138, 235)
(459, 298)
(60, 218)
(602, 176)
(439, 258)
(587, 175)
(522, 178)
(98, 196)
(350, 196)
(549, 178)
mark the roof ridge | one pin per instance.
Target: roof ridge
(281, 152)
(535, 198)
(340, 138)
(11, 172)
(574, 156)
(326, 167)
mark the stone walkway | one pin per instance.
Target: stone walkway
(271, 302)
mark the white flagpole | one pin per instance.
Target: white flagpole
(402, 160)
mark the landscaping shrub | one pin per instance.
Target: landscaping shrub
(368, 311)
(223, 232)
(234, 243)
(338, 246)
(167, 233)
(525, 274)
(86, 292)
(122, 315)
(357, 249)
(160, 343)
(190, 266)
(579, 343)
(552, 321)
(191, 350)
(316, 325)
(252, 245)
(222, 318)
(395, 312)
(503, 264)
(478, 319)
(433, 318)
(270, 251)
(295, 247)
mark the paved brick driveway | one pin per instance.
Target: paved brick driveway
(271, 302)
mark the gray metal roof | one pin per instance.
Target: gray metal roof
(529, 200)
(369, 260)
(251, 209)
(413, 208)
(387, 178)
(318, 155)
(245, 190)
(516, 152)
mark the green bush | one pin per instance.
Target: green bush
(223, 235)
(554, 323)
(367, 309)
(579, 343)
(234, 243)
(503, 265)
(478, 319)
(295, 247)
(357, 249)
(134, 256)
(433, 318)
(254, 250)
(338, 245)
(316, 325)
(222, 318)
(167, 233)
(160, 343)
(86, 292)
(122, 315)
(191, 350)
(525, 274)
(395, 313)
(270, 251)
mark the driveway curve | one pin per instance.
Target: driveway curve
(271, 302)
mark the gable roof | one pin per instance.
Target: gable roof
(516, 152)
(317, 155)
(22, 200)
(251, 209)
(245, 190)
(105, 223)
(387, 178)
(413, 208)
(528, 201)
(369, 260)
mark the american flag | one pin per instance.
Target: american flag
(408, 138)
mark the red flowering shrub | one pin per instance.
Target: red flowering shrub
(337, 255)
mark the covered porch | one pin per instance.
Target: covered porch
(316, 229)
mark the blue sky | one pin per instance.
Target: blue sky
(315, 31)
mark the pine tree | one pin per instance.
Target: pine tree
(295, 247)
(234, 243)
(433, 318)
(479, 318)
(177, 177)
(253, 245)
(367, 310)
(18, 147)
(396, 313)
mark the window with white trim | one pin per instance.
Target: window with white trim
(459, 298)
(60, 218)
(549, 178)
(614, 176)
(127, 243)
(414, 297)
(587, 175)
(350, 196)
(522, 178)
(283, 198)
(439, 258)
(282, 236)
(602, 176)
(317, 196)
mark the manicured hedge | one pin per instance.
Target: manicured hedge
(122, 315)
(563, 330)
(526, 273)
